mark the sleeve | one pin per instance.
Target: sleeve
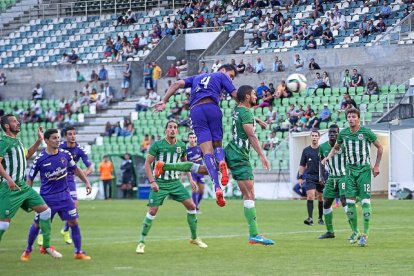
(188, 82)
(85, 158)
(71, 162)
(153, 150)
(227, 84)
(340, 138)
(247, 118)
(3, 148)
(183, 150)
(34, 169)
(371, 137)
(321, 152)
(303, 159)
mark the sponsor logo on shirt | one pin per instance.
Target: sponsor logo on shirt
(47, 164)
(178, 150)
(360, 136)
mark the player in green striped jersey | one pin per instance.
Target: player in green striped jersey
(14, 192)
(336, 182)
(357, 141)
(168, 150)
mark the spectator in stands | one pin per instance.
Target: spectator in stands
(318, 83)
(267, 99)
(347, 103)
(106, 168)
(318, 30)
(356, 79)
(183, 69)
(86, 89)
(256, 43)
(241, 67)
(127, 50)
(298, 63)
(94, 77)
(215, 66)
(83, 98)
(372, 87)
(143, 42)
(143, 103)
(93, 97)
(175, 112)
(272, 89)
(271, 116)
(371, 3)
(73, 58)
(172, 71)
(327, 37)
(310, 44)
(148, 82)
(280, 66)
(364, 28)
(129, 17)
(126, 80)
(275, 63)
(381, 27)
(135, 43)
(313, 122)
(282, 91)
(3, 79)
(50, 115)
(79, 77)
(346, 80)
(262, 27)
(259, 66)
(385, 11)
(325, 114)
(146, 142)
(103, 74)
(339, 22)
(271, 142)
(17, 112)
(292, 115)
(203, 68)
(313, 65)
(287, 32)
(109, 129)
(249, 68)
(261, 90)
(233, 62)
(76, 106)
(308, 112)
(272, 32)
(116, 55)
(64, 59)
(156, 75)
(325, 78)
(37, 93)
(37, 108)
(317, 10)
(154, 97)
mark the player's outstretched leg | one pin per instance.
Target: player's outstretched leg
(160, 167)
(146, 226)
(31, 237)
(220, 157)
(4, 225)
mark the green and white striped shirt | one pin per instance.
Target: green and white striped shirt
(336, 164)
(240, 142)
(168, 153)
(357, 145)
(14, 158)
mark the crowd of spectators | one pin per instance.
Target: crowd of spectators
(124, 128)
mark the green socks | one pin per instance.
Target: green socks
(146, 226)
(180, 166)
(192, 222)
(45, 226)
(352, 216)
(366, 211)
(250, 214)
(328, 215)
(1, 233)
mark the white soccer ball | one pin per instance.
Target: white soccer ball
(296, 83)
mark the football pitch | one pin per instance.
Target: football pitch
(110, 231)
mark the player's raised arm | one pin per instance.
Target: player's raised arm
(148, 171)
(171, 91)
(36, 144)
(248, 128)
(380, 150)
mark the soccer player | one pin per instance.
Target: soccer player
(53, 164)
(336, 183)
(195, 155)
(357, 141)
(169, 150)
(237, 157)
(206, 118)
(310, 161)
(14, 192)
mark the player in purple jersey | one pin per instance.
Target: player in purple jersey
(78, 153)
(195, 155)
(206, 117)
(53, 164)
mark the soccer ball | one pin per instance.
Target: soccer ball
(296, 83)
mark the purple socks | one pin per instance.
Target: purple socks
(212, 169)
(33, 232)
(76, 237)
(219, 153)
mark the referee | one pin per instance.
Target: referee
(309, 163)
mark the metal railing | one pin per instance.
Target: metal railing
(394, 34)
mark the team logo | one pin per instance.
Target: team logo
(7, 212)
(360, 136)
(178, 150)
(339, 152)
(62, 160)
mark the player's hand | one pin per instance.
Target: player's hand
(86, 172)
(375, 171)
(154, 186)
(300, 182)
(13, 186)
(194, 186)
(88, 188)
(158, 107)
(261, 123)
(265, 162)
(323, 161)
(40, 135)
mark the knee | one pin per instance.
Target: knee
(152, 212)
(4, 225)
(72, 222)
(249, 204)
(46, 214)
(327, 205)
(191, 206)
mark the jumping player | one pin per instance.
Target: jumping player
(169, 150)
(53, 164)
(195, 155)
(357, 141)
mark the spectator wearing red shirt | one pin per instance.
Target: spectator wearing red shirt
(172, 71)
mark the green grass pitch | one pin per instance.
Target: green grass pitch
(110, 232)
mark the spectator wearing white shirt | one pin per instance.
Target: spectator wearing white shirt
(153, 96)
(259, 66)
(215, 66)
(37, 108)
(50, 115)
(143, 104)
(38, 92)
(298, 63)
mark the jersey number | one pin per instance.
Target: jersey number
(367, 188)
(204, 81)
(343, 186)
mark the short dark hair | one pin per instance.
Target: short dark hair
(352, 111)
(5, 120)
(243, 91)
(315, 131)
(171, 121)
(49, 132)
(334, 126)
(228, 67)
(190, 133)
(69, 128)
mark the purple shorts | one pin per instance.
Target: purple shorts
(207, 122)
(198, 178)
(72, 189)
(61, 204)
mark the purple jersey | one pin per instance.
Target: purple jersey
(195, 155)
(77, 152)
(208, 86)
(53, 173)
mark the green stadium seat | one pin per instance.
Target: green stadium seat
(401, 89)
(384, 89)
(319, 92)
(352, 91)
(327, 91)
(393, 88)
(379, 107)
(360, 90)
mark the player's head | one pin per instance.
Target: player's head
(52, 138)
(70, 134)
(333, 132)
(192, 139)
(229, 70)
(246, 94)
(105, 158)
(10, 124)
(171, 129)
(127, 156)
(315, 135)
(352, 116)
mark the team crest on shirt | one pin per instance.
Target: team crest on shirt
(360, 136)
(62, 160)
(178, 150)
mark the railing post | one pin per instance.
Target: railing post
(388, 102)
(115, 7)
(100, 7)
(86, 8)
